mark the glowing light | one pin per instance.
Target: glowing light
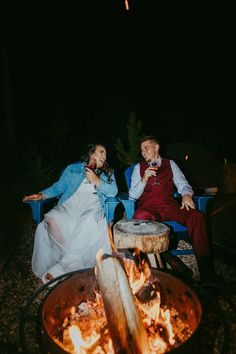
(76, 338)
(78, 342)
(127, 5)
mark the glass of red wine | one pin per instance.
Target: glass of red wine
(91, 166)
(155, 166)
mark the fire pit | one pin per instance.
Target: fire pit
(71, 299)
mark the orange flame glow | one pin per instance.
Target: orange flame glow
(93, 336)
(79, 344)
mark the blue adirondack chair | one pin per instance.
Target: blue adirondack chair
(38, 207)
(177, 230)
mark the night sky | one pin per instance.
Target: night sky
(80, 67)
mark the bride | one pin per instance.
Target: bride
(72, 232)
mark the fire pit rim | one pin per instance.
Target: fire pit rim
(91, 270)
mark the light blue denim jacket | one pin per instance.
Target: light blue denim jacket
(71, 179)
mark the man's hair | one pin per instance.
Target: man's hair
(150, 137)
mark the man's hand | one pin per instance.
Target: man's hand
(150, 171)
(38, 196)
(187, 202)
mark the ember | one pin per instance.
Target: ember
(75, 318)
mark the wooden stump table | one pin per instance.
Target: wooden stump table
(150, 237)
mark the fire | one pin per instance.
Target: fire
(79, 344)
(136, 278)
(85, 329)
(151, 311)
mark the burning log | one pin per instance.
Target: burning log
(146, 293)
(77, 302)
(124, 321)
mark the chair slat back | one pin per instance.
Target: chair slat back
(128, 173)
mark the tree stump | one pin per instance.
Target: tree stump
(150, 237)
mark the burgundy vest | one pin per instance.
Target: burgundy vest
(161, 193)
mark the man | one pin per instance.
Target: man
(153, 189)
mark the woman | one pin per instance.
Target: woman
(71, 234)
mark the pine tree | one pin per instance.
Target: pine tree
(131, 153)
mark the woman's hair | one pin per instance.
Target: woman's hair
(89, 150)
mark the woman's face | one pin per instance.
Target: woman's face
(99, 156)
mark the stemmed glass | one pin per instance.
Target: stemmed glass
(92, 166)
(155, 166)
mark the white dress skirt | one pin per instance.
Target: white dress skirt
(81, 231)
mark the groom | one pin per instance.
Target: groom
(156, 202)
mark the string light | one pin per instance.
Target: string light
(127, 5)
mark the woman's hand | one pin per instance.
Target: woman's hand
(91, 176)
(187, 202)
(38, 196)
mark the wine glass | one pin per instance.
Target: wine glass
(155, 166)
(92, 166)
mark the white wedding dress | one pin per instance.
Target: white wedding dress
(81, 231)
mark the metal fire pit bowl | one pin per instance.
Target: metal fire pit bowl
(80, 287)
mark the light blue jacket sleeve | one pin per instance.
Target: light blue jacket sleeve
(108, 186)
(71, 179)
(58, 187)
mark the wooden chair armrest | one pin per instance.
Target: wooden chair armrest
(37, 207)
(128, 203)
(110, 207)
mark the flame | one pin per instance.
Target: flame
(138, 284)
(157, 344)
(99, 255)
(76, 338)
(152, 310)
(137, 279)
(98, 300)
(113, 247)
(87, 327)
(169, 327)
(150, 313)
(78, 342)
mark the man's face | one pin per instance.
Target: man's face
(99, 156)
(150, 150)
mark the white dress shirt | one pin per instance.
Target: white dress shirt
(180, 181)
